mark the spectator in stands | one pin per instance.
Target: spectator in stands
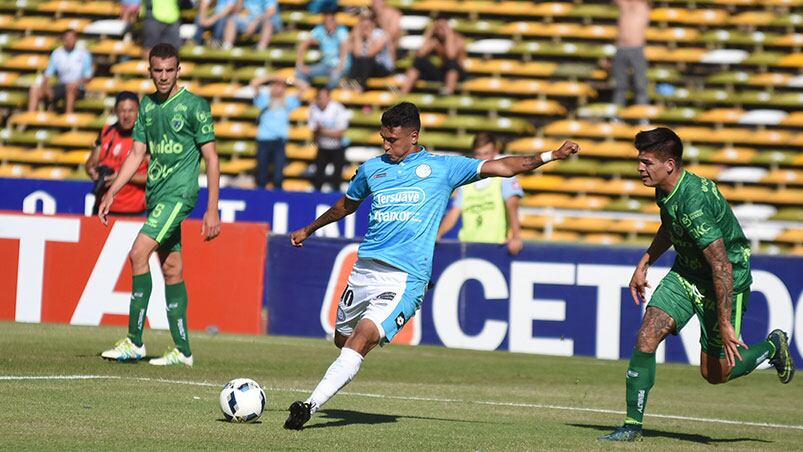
(252, 16)
(370, 51)
(634, 18)
(319, 6)
(441, 41)
(333, 40)
(111, 149)
(214, 22)
(160, 22)
(389, 19)
(274, 126)
(129, 11)
(328, 120)
(72, 65)
(489, 207)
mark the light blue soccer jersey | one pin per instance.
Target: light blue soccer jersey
(409, 199)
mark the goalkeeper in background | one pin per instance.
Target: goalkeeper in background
(176, 128)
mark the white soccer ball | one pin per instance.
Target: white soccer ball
(242, 400)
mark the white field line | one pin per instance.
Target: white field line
(423, 399)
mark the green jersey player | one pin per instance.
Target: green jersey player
(710, 279)
(176, 128)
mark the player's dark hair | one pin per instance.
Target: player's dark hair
(125, 95)
(662, 141)
(163, 50)
(404, 115)
(483, 138)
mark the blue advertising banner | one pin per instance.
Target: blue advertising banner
(550, 299)
(284, 211)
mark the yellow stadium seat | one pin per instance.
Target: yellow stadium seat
(538, 182)
(721, 115)
(672, 34)
(218, 89)
(641, 112)
(792, 235)
(301, 152)
(27, 62)
(76, 139)
(7, 79)
(794, 60)
(794, 119)
(297, 185)
(237, 166)
(784, 177)
(235, 129)
(73, 157)
(545, 200)
(50, 172)
(633, 226)
(227, 109)
(586, 224)
(753, 18)
(538, 107)
(51, 119)
(602, 238)
(14, 170)
(734, 155)
(116, 47)
(295, 169)
(530, 145)
(35, 44)
(707, 171)
(770, 79)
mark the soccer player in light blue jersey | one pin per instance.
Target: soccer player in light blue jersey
(411, 189)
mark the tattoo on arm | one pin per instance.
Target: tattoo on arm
(722, 276)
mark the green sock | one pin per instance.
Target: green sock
(640, 378)
(176, 300)
(140, 294)
(751, 358)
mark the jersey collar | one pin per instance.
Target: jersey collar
(170, 99)
(675, 188)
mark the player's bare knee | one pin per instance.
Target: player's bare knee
(138, 257)
(340, 340)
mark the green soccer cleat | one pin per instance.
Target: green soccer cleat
(782, 360)
(125, 350)
(172, 357)
(627, 432)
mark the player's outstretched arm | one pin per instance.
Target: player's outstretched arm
(722, 275)
(344, 206)
(638, 283)
(210, 226)
(130, 165)
(512, 165)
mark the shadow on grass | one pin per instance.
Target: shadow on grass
(337, 418)
(223, 419)
(694, 438)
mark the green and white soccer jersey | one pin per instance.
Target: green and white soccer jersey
(173, 131)
(696, 215)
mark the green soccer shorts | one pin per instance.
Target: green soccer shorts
(682, 299)
(164, 223)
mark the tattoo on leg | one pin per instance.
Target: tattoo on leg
(654, 328)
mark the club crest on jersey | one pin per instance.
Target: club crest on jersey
(177, 122)
(423, 170)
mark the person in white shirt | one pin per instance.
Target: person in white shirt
(328, 120)
(73, 66)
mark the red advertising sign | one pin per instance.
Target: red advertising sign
(70, 269)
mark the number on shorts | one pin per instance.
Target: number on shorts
(347, 297)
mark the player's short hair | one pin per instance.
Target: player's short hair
(663, 141)
(404, 115)
(483, 138)
(124, 96)
(163, 50)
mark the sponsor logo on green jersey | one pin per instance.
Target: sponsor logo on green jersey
(166, 146)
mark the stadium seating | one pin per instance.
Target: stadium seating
(725, 74)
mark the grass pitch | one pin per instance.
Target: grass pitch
(57, 393)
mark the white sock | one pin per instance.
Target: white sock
(339, 374)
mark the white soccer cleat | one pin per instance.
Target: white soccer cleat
(172, 357)
(125, 350)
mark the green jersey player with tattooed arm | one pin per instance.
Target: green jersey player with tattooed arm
(710, 279)
(176, 128)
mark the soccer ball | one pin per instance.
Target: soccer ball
(242, 400)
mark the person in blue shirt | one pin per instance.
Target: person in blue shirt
(333, 42)
(72, 65)
(274, 126)
(251, 17)
(410, 190)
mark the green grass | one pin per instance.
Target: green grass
(421, 398)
